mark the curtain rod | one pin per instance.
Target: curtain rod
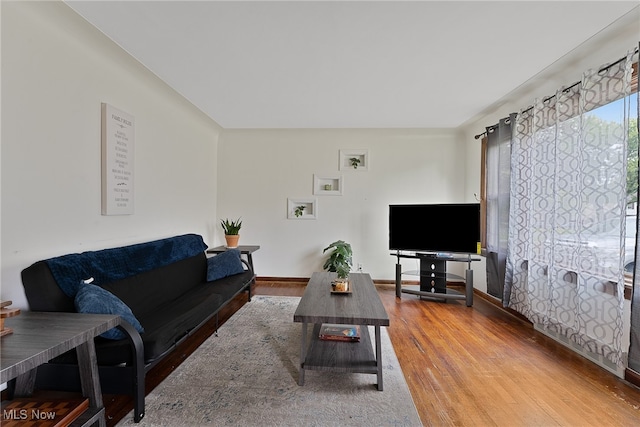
(605, 68)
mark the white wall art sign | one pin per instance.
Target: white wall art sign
(118, 144)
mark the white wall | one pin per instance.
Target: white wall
(56, 72)
(259, 169)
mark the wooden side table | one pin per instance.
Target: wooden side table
(246, 250)
(39, 337)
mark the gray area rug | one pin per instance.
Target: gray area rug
(248, 376)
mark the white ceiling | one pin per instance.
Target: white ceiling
(357, 64)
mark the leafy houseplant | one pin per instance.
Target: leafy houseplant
(299, 210)
(231, 231)
(340, 261)
(355, 162)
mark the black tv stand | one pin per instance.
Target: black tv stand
(433, 276)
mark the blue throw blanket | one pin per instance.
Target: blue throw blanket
(109, 265)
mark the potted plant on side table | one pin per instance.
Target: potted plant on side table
(231, 231)
(340, 262)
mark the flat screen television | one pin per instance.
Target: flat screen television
(438, 228)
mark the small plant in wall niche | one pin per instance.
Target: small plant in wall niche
(354, 159)
(305, 208)
(299, 210)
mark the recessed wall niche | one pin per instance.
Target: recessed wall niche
(327, 185)
(354, 160)
(302, 208)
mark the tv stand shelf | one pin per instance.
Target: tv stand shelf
(433, 277)
(449, 276)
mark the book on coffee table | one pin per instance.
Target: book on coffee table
(335, 332)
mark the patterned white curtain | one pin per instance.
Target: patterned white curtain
(567, 214)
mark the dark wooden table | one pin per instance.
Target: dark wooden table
(244, 250)
(39, 337)
(361, 307)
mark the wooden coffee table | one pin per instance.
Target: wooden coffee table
(361, 307)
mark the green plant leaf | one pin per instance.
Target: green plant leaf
(340, 259)
(231, 227)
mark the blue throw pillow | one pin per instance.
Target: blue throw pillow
(224, 264)
(93, 299)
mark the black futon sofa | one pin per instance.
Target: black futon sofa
(170, 287)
